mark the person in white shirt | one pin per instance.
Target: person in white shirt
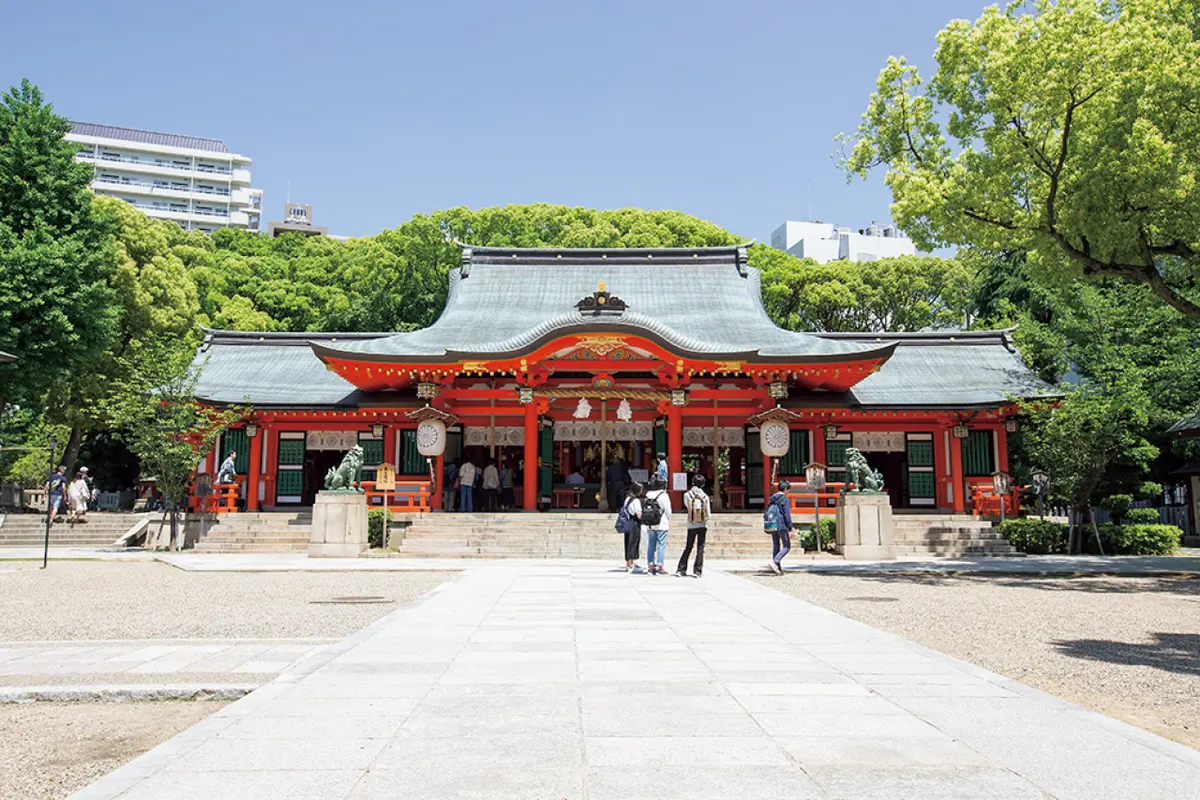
(491, 486)
(698, 508)
(656, 529)
(633, 536)
(466, 486)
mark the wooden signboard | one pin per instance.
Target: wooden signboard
(385, 478)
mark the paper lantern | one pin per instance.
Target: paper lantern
(774, 438)
(431, 437)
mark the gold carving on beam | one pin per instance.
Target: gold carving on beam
(474, 366)
(601, 344)
(729, 366)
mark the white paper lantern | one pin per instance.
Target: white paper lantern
(775, 437)
(431, 437)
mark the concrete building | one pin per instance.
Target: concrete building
(196, 182)
(824, 242)
(297, 218)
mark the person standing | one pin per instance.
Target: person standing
(78, 495)
(228, 471)
(491, 486)
(629, 523)
(699, 509)
(56, 486)
(449, 484)
(656, 518)
(777, 521)
(618, 480)
(466, 486)
(662, 472)
(507, 481)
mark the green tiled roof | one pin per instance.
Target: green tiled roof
(701, 302)
(1188, 424)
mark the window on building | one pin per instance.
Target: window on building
(979, 454)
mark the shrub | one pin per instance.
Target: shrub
(1140, 540)
(1143, 516)
(1116, 505)
(1035, 536)
(808, 538)
(377, 519)
(1149, 490)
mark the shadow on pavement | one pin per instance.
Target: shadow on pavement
(1172, 652)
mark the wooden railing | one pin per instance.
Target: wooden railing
(410, 494)
(986, 503)
(222, 500)
(805, 502)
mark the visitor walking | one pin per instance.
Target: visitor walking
(228, 471)
(449, 484)
(491, 486)
(629, 523)
(662, 472)
(466, 486)
(699, 509)
(777, 521)
(56, 486)
(507, 481)
(78, 495)
(656, 517)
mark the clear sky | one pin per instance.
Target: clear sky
(378, 110)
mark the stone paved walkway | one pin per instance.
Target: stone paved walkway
(158, 657)
(573, 681)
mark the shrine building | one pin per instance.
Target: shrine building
(558, 361)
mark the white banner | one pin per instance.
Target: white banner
(331, 440)
(879, 441)
(615, 431)
(505, 436)
(703, 437)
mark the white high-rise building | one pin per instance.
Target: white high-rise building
(823, 242)
(196, 182)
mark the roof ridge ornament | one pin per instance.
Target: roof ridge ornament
(601, 302)
(465, 262)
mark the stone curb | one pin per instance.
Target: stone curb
(122, 694)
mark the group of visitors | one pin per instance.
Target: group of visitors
(648, 511)
(77, 495)
(495, 481)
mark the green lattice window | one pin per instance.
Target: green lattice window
(372, 456)
(921, 485)
(978, 455)
(290, 482)
(236, 439)
(835, 455)
(411, 460)
(796, 459)
(291, 452)
(920, 452)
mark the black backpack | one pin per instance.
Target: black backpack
(652, 512)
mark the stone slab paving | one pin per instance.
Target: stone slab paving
(158, 657)
(576, 681)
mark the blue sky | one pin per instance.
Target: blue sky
(378, 110)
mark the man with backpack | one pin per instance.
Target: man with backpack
(629, 523)
(777, 521)
(698, 508)
(656, 517)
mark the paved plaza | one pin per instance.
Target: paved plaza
(571, 681)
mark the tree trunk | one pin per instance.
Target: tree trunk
(72, 452)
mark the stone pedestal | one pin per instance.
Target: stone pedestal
(864, 527)
(339, 525)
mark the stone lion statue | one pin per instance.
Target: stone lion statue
(348, 474)
(859, 473)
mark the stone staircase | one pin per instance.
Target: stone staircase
(266, 532)
(100, 530)
(948, 535)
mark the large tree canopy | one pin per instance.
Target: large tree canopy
(1068, 129)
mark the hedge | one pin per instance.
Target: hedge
(1035, 536)
(375, 525)
(1142, 516)
(808, 537)
(1139, 540)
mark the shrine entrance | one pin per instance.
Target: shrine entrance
(586, 457)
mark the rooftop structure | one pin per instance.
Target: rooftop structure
(197, 182)
(537, 349)
(824, 242)
(297, 218)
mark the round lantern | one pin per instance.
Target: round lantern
(431, 437)
(774, 438)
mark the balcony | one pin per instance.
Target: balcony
(143, 187)
(160, 166)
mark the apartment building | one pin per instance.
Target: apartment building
(196, 182)
(824, 242)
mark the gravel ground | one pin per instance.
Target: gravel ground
(1126, 647)
(99, 600)
(49, 750)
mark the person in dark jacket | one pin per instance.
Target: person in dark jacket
(781, 537)
(618, 480)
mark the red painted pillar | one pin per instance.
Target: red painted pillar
(1001, 448)
(674, 451)
(439, 470)
(389, 447)
(818, 448)
(255, 470)
(269, 477)
(768, 488)
(956, 474)
(529, 489)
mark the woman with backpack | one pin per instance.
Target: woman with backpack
(698, 508)
(777, 521)
(656, 517)
(629, 523)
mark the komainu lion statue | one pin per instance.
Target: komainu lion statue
(859, 473)
(348, 474)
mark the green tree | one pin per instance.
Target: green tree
(1070, 131)
(56, 304)
(1081, 439)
